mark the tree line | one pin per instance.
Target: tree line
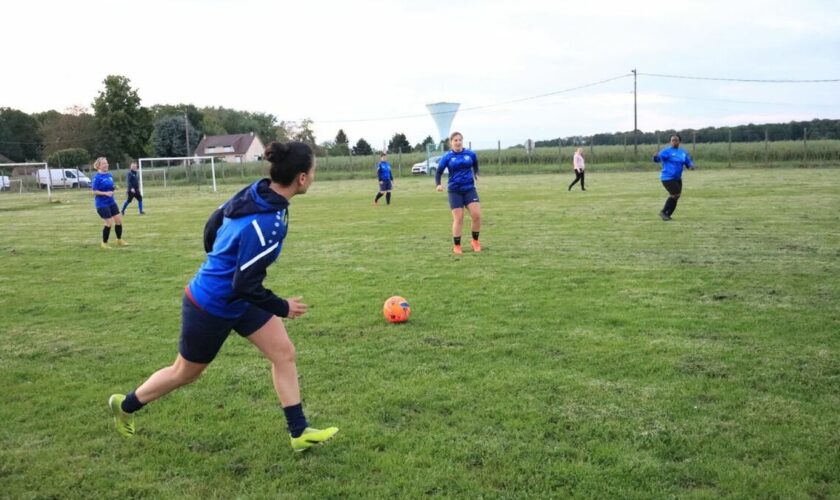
(793, 131)
(120, 128)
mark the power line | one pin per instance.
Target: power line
(748, 80)
(483, 106)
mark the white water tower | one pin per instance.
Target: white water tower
(443, 113)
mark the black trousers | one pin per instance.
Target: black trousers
(578, 177)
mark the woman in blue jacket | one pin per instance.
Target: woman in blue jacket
(242, 238)
(673, 160)
(462, 165)
(386, 179)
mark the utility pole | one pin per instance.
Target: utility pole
(635, 119)
(187, 133)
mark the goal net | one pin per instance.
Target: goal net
(180, 170)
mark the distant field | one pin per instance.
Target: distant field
(591, 349)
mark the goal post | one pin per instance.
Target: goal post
(149, 162)
(7, 180)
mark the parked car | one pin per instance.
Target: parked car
(425, 167)
(62, 177)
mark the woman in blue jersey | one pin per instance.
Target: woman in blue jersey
(242, 238)
(672, 159)
(386, 179)
(103, 191)
(462, 165)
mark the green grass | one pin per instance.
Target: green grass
(591, 349)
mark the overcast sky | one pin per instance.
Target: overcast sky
(370, 67)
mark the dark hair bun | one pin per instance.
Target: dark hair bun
(276, 151)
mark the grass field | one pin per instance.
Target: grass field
(591, 349)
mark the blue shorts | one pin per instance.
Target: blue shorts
(202, 334)
(461, 199)
(384, 185)
(109, 211)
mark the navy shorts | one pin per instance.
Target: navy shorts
(384, 185)
(202, 334)
(461, 199)
(109, 211)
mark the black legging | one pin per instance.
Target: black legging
(578, 177)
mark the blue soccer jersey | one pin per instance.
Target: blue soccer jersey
(102, 182)
(243, 237)
(673, 159)
(462, 167)
(383, 171)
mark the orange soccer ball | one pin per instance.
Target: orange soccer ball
(396, 309)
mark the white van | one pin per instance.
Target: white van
(63, 177)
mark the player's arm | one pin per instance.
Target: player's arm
(475, 166)
(439, 170)
(689, 163)
(657, 157)
(254, 257)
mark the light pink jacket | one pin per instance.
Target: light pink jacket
(578, 161)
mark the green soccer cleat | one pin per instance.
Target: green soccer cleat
(123, 421)
(311, 437)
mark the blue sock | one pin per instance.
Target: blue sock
(131, 404)
(140, 204)
(124, 206)
(295, 419)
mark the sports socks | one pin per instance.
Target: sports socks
(131, 404)
(140, 204)
(295, 419)
(378, 195)
(388, 198)
(106, 233)
(125, 205)
(457, 240)
(118, 230)
(475, 235)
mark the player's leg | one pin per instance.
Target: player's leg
(118, 229)
(273, 341)
(475, 216)
(202, 335)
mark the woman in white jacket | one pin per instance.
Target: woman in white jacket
(579, 166)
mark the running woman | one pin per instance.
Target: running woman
(103, 190)
(672, 159)
(386, 178)
(579, 166)
(463, 174)
(242, 238)
(133, 180)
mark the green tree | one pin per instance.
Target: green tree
(399, 144)
(169, 137)
(71, 157)
(194, 115)
(341, 146)
(19, 137)
(362, 148)
(304, 132)
(75, 128)
(421, 147)
(123, 126)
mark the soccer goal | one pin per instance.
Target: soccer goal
(189, 168)
(28, 176)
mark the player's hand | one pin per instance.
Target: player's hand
(439, 188)
(476, 178)
(109, 193)
(296, 307)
